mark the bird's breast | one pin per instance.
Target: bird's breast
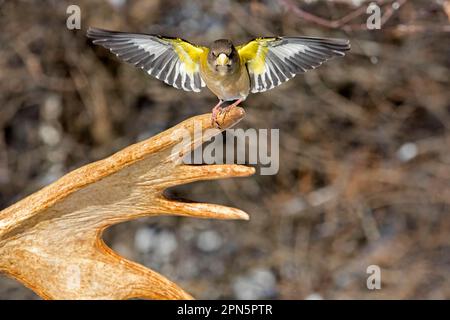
(227, 87)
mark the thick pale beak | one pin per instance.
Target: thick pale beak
(222, 59)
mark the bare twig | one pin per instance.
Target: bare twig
(344, 22)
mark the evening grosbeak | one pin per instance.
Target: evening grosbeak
(230, 72)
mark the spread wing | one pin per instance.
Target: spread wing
(172, 60)
(272, 61)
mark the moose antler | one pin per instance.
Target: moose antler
(51, 240)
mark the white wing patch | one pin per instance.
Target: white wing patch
(284, 58)
(159, 57)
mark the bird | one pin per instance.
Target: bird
(230, 72)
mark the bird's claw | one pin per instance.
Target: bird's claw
(218, 110)
(215, 111)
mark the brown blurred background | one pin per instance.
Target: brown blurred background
(364, 144)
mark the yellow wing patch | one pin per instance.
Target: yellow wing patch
(188, 53)
(254, 54)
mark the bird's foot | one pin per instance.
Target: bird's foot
(225, 110)
(218, 110)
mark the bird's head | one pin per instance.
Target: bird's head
(223, 57)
